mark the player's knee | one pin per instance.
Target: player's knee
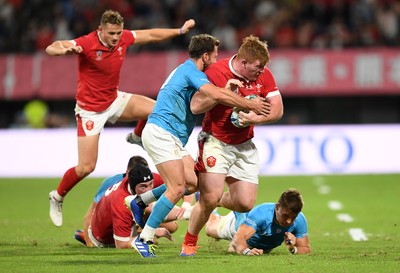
(85, 170)
(244, 207)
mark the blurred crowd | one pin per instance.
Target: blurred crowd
(29, 26)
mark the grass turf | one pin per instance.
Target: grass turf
(30, 243)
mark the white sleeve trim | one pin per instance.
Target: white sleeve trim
(273, 94)
(134, 34)
(122, 239)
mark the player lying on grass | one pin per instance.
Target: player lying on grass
(112, 224)
(112, 180)
(264, 227)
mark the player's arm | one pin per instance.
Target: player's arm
(239, 241)
(63, 47)
(227, 97)
(275, 114)
(161, 34)
(297, 245)
(202, 103)
(87, 221)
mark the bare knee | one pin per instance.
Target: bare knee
(244, 207)
(85, 170)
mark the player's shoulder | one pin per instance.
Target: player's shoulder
(219, 66)
(301, 217)
(264, 209)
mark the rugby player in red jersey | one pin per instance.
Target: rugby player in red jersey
(226, 152)
(98, 100)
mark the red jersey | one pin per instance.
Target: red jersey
(111, 217)
(99, 69)
(157, 180)
(217, 121)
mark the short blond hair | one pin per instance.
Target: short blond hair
(111, 17)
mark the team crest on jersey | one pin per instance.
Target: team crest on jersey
(211, 161)
(258, 86)
(89, 125)
(99, 55)
(120, 50)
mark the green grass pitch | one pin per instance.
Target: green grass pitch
(30, 243)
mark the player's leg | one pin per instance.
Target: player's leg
(87, 158)
(165, 151)
(242, 178)
(211, 187)
(212, 225)
(87, 221)
(138, 108)
(241, 195)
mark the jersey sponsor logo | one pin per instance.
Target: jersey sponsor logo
(89, 125)
(99, 55)
(248, 86)
(211, 161)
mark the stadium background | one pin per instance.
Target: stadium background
(328, 28)
(342, 38)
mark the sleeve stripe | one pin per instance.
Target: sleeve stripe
(273, 94)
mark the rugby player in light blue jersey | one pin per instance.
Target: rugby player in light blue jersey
(265, 227)
(171, 123)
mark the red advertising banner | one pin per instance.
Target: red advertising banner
(297, 73)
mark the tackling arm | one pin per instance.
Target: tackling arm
(227, 97)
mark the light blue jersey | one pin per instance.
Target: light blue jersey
(108, 182)
(172, 109)
(268, 233)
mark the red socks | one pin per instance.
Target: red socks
(139, 127)
(69, 180)
(190, 240)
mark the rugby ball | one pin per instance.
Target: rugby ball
(235, 113)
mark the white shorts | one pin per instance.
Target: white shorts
(92, 123)
(226, 226)
(238, 161)
(161, 145)
(95, 242)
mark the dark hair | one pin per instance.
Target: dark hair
(139, 174)
(111, 17)
(291, 199)
(200, 44)
(136, 160)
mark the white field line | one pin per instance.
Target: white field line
(358, 234)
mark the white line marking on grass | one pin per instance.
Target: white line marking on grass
(335, 205)
(324, 189)
(358, 234)
(344, 217)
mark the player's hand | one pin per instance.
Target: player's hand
(73, 50)
(246, 119)
(188, 25)
(163, 232)
(256, 252)
(290, 239)
(261, 106)
(233, 84)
